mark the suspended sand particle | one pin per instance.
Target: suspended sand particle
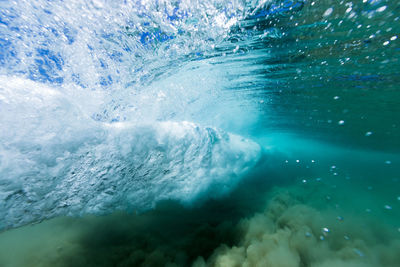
(358, 252)
(368, 133)
(341, 122)
(388, 207)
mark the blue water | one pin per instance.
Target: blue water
(199, 133)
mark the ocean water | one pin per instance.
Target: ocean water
(200, 133)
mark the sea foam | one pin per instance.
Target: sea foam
(56, 160)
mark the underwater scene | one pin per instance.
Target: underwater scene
(200, 133)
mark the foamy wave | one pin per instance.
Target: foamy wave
(55, 160)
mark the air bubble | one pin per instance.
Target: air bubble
(328, 12)
(381, 9)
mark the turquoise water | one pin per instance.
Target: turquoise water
(199, 133)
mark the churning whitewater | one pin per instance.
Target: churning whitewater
(94, 119)
(57, 161)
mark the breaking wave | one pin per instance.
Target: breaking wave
(57, 161)
(112, 106)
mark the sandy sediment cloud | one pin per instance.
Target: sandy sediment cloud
(289, 234)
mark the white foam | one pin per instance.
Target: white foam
(56, 160)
